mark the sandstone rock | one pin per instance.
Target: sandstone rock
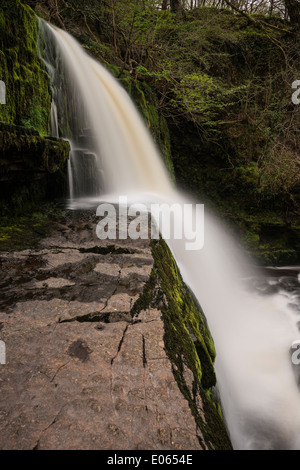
(82, 371)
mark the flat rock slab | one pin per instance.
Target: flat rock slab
(81, 373)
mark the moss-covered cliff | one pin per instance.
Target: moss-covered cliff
(28, 99)
(188, 343)
(32, 166)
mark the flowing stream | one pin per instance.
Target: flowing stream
(252, 316)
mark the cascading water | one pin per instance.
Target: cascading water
(112, 152)
(100, 117)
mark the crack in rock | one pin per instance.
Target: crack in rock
(144, 352)
(120, 345)
(105, 317)
(37, 445)
(58, 370)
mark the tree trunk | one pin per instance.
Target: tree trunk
(293, 8)
(31, 3)
(164, 4)
(175, 6)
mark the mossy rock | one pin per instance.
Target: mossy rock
(28, 99)
(32, 168)
(24, 231)
(188, 343)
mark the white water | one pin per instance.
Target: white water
(252, 334)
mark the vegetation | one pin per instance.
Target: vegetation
(31, 169)
(219, 76)
(24, 231)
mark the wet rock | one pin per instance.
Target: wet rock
(79, 349)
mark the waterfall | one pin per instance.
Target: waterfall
(101, 121)
(113, 153)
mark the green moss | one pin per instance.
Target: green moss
(26, 230)
(37, 119)
(188, 342)
(28, 99)
(146, 101)
(32, 168)
(266, 237)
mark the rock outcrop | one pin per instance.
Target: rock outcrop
(93, 361)
(32, 167)
(28, 159)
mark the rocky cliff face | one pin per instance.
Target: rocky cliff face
(27, 158)
(105, 348)
(28, 97)
(31, 167)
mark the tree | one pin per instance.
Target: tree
(31, 3)
(176, 6)
(293, 9)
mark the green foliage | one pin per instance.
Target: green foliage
(204, 99)
(248, 175)
(229, 81)
(143, 72)
(198, 94)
